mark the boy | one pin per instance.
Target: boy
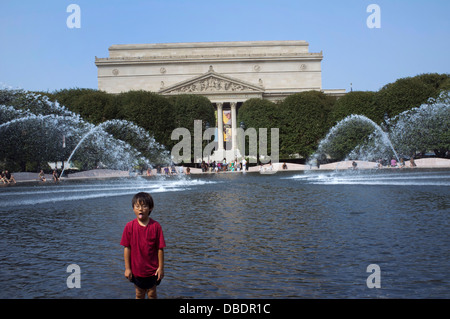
(143, 242)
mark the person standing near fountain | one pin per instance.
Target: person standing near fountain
(411, 162)
(143, 242)
(55, 176)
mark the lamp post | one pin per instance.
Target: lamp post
(207, 128)
(386, 123)
(63, 153)
(242, 126)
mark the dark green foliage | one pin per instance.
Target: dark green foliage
(30, 144)
(406, 93)
(190, 107)
(258, 113)
(393, 99)
(345, 139)
(151, 111)
(304, 122)
(95, 106)
(303, 119)
(69, 98)
(358, 102)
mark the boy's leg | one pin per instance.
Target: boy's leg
(140, 293)
(151, 293)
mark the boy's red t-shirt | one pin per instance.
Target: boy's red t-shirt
(144, 242)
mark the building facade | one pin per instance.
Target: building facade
(227, 73)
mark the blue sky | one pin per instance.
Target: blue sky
(39, 52)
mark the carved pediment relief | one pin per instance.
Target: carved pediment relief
(211, 82)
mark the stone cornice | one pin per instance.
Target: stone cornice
(188, 45)
(209, 58)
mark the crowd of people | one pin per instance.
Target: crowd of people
(214, 167)
(167, 170)
(224, 166)
(394, 163)
(235, 166)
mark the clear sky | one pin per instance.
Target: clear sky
(38, 51)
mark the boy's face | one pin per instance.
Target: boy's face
(142, 211)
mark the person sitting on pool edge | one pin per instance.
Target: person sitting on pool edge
(8, 177)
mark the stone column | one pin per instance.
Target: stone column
(233, 128)
(219, 126)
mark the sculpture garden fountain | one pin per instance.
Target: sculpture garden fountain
(116, 144)
(420, 129)
(313, 234)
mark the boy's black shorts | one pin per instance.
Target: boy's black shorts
(145, 282)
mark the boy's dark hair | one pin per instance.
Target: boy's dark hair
(142, 198)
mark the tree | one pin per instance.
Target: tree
(356, 102)
(407, 93)
(435, 80)
(344, 138)
(258, 113)
(189, 108)
(424, 128)
(95, 106)
(69, 98)
(151, 111)
(304, 122)
(34, 133)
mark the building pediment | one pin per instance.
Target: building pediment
(211, 83)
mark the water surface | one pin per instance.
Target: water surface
(285, 235)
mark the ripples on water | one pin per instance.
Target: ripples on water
(286, 235)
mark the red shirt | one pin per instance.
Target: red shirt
(144, 242)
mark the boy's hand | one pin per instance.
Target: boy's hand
(128, 274)
(160, 273)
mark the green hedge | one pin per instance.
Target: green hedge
(303, 118)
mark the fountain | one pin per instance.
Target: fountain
(424, 128)
(117, 144)
(418, 129)
(245, 226)
(150, 145)
(351, 126)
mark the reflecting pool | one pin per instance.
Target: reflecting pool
(283, 235)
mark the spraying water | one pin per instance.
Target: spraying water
(44, 123)
(99, 132)
(326, 145)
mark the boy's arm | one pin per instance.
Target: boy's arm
(160, 270)
(127, 259)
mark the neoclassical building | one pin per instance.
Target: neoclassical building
(227, 73)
